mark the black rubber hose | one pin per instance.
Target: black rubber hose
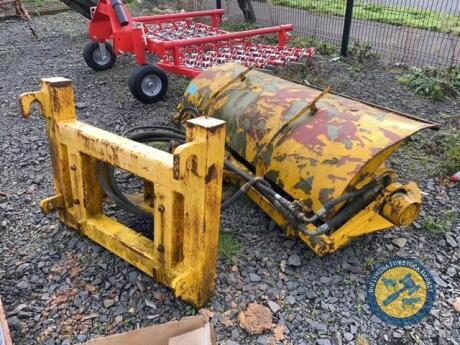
(167, 134)
(154, 128)
(106, 172)
(242, 191)
(110, 187)
(117, 5)
(365, 196)
(194, 110)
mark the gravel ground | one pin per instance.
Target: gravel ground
(60, 288)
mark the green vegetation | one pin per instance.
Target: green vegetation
(370, 262)
(435, 83)
(361, 51)
(415, 18)
(437, 152)
(440, 224)
(230, 26)
(321, 47)
(190, 311)
(361, 339)
(229, 247)
(450, 146)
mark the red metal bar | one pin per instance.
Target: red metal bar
(282, 39)
(176, 16)
(139, 46)
(224, 37)
(181, 70)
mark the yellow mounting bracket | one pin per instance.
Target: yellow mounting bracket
(185, 187)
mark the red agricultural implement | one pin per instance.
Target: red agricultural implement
(182, 44)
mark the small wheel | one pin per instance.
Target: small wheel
(148, 83)
(96, 58)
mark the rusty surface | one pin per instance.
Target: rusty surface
(314, 145)
(321, 154)
(186, 188)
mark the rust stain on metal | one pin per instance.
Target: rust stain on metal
(211, 174)
(313, 144)
(188, 201)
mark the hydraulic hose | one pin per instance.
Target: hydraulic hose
(362, 198)
(289, 210)
(106, 173)
(243, 189)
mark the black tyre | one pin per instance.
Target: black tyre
(94, 58)
(148, 84)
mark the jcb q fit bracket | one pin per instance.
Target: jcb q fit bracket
(182, 190)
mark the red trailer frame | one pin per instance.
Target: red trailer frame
(183, 46)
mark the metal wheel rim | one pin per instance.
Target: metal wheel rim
(99, 58)
(151, 85)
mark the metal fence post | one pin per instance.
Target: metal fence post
(219, 4)
(347, 27)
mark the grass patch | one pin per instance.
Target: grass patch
(228, 247)
(438, 84)
(436, 153)
(323, 48)
(450, 146)
(441, 224)
(231, 26)
(361, 51)
(396, 15)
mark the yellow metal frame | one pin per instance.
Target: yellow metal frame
(183, 190)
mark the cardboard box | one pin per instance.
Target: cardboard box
(194, 330)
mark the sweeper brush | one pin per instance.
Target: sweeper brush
(318, 157)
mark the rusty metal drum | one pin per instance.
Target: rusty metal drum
(314, 153)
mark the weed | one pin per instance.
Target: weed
(359, 307)
(361, 339)
(228, 247)
(361, 51)
(435, 83)
(189, 310)
(370, 262)
(347, 281)
(321, 47)
(450, 146)
(85, 259)
(440, 224)
(437, 153)
(230, 26)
